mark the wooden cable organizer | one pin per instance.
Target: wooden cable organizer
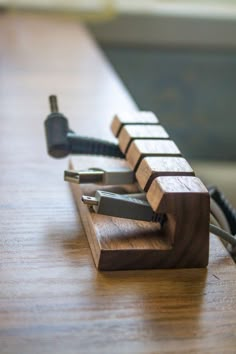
(171, 188)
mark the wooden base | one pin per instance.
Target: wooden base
(118, 244)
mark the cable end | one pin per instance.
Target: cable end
(91, 201)
(71, 176)
(53, 104)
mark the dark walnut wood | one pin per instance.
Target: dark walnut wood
(140, 131)
(141, 148)
(185, 201)
(132, 118)
(117, 243)
(156, 166)
(183, 241)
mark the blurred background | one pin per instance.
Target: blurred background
(177, 59)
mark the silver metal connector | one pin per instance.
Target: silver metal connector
(91, 201)
(71, 176)
(80, 177)
(119, 176)
(53, 104)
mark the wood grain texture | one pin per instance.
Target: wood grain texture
(142, 148)
(53, 300)
(117, 243)
(186, 202)
(156, 166)
(130, 132)
(132, 118)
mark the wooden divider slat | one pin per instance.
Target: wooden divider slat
(130, 132)
(141, 117)
(186, 202)
(170, 187)
(155, 166)
(142, 148)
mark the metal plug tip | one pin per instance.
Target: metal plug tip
(71, 176)
(88, 176)
(89, 200)
(53, 104)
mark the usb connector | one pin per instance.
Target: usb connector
(128, 206)
(101, 176)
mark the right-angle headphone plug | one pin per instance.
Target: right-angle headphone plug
(62, 141)
(56, 129)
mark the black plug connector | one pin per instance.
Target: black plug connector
(56, 129)
(61, 141)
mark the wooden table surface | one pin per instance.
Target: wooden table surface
(52, 299)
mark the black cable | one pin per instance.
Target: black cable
(62, 141)
(92, 146)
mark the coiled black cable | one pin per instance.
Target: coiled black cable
(92, 146)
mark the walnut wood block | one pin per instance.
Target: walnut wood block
(142, 148)
(155, 166)
(125, 244)
(130, 132)
(141, 117)
(120, 244)
(186, 202)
